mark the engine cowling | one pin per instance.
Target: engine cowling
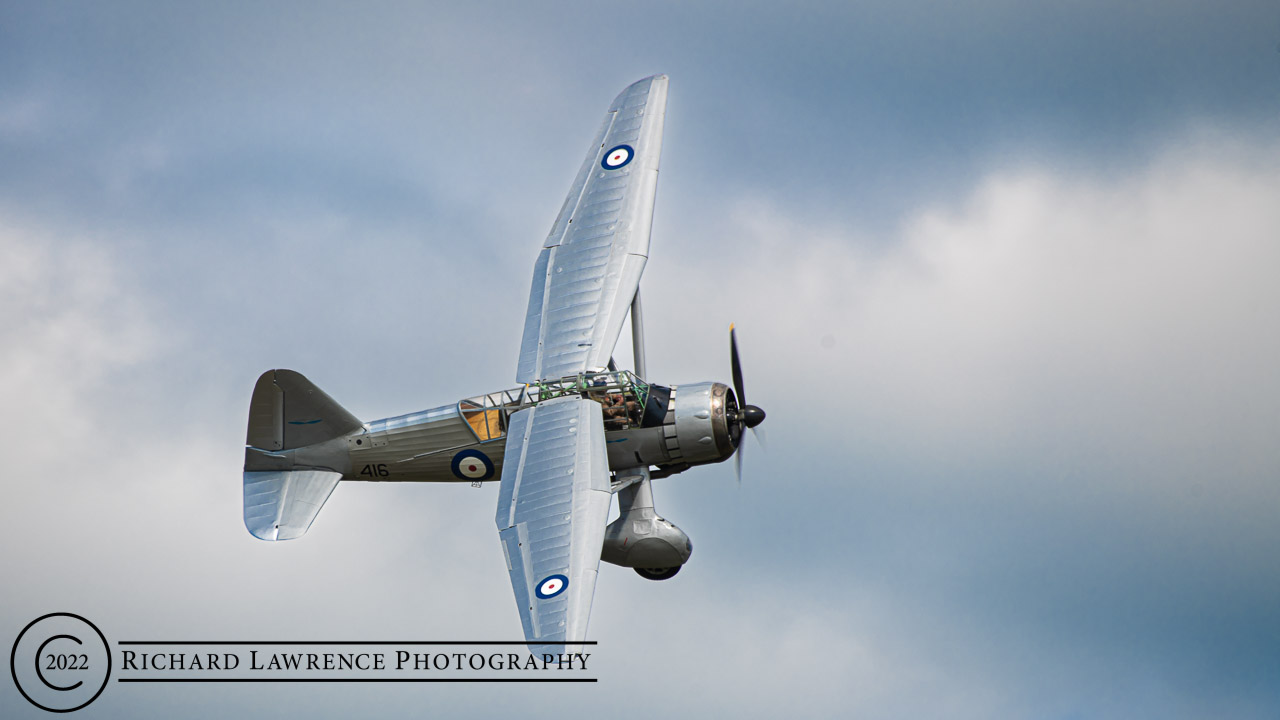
(702, 431)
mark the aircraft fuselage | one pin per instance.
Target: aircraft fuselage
(465, 442)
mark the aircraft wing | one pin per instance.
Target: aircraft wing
(590, 265)
(552, 510)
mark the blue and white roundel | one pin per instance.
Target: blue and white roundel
(472, 465)
(617, 157)
(552, 586)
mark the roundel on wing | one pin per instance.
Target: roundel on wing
(617, 157)
(472, 465)
(552, 586)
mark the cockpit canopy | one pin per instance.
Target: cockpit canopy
(627, 401)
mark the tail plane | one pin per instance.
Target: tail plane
(294, 454)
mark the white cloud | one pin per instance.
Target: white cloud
(69, 320)
(1045, 416)
(1107, 333)
(1134, 308)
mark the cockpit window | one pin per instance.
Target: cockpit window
(626, 402)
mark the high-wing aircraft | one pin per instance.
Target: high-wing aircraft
(576, 432)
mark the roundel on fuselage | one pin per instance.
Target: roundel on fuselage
(472, 465)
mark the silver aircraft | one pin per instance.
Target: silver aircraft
(574, 433)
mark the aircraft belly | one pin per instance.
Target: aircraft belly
(431, 446)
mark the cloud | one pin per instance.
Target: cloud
(69, 323)
(1021, 444)
(1041, 416)
(1149, 292)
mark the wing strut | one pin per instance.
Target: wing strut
(637, 334)
(639, 495)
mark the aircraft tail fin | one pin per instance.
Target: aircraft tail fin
(292, 463)
(288, 411)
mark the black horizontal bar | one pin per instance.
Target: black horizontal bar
(351, 642)
(352, 680)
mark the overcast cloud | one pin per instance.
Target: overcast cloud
(1003, 280)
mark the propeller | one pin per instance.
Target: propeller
(743, 415)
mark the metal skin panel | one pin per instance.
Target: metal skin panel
(294, 455)
(281, 505)
(701, 432)
(636, 448)
(288, 411)
(639, 538)
(418, 447)
(551, 515)
(588, 272)
(266, 414)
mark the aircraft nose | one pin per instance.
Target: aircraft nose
(752, 415)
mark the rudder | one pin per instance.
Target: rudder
(288, 411)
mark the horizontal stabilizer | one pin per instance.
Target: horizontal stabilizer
(281, 505)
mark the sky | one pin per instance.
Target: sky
(1003, 278)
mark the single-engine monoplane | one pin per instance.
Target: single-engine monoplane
(577, 430)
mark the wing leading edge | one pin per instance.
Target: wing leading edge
(591, 262)
(552, 509)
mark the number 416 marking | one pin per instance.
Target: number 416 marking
(379, 470)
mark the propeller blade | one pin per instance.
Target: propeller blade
(745, 416)
(737, 368)
(737, 459)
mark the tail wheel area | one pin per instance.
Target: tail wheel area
(658, 573)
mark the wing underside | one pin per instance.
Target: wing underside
(555, 494)
(591, 262)
(552, 509)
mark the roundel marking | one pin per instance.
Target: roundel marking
(617, 157)
(472, 465)
(552, 586)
